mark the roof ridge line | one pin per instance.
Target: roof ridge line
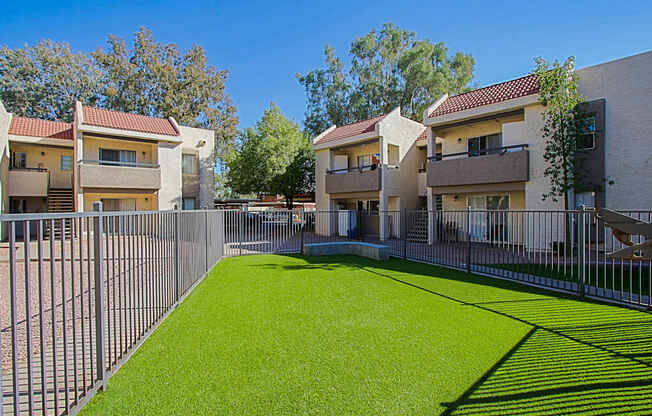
(493, 85)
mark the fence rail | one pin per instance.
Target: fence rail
(81, 291)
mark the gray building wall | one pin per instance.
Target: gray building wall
(626, 87)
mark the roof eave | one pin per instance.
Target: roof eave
(484, 110)
(87, 128)
(49, 141)
(346, 141)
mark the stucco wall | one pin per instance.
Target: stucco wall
(144, 201)
(403, 132)
(539, 184)
(202, 143)
(322, 164)
(354, 151)
(169, 158)
(48, 158)
(626, 85)
(145, 152)
(5, 119)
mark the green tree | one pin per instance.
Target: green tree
(389, 68)
(44, 80)
(275, 157)
(150, 78)
(564, 122)
(159, 80)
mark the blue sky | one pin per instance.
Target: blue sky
(265, 43)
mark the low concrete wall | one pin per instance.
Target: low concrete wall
(496, 168)
(28, 183)
(123, 177)
(353, 181)
(372, 251)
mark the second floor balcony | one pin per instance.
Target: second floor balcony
(113, 174)
(356, 179)
(486, 166)
(28, 182)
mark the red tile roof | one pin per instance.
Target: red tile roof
(34, 127)
(423, 136)
(492, 94)
(127, 121)
(351, 130)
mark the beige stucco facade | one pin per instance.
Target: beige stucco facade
(625, 86)
(144, 173)
(391, 185)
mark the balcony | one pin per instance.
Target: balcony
(28, 182)
(122, 175)
(356, 179)
(488, 166)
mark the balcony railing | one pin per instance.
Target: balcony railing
(28, 181)
(124, 175)
(487, 166)
(363, 168)
(355, 179)
(483, 152)
(120, 163)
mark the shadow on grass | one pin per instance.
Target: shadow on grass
(579, 356)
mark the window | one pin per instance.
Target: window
(18, 160)
(479, 146)
(584, 198)
(439, 203)
(189, 164)
(586, 139)
(188, 203)
(66, 162)
(117, 157)
(364, 161)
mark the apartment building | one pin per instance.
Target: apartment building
(485, 147)
(372, 166)
(127, 161)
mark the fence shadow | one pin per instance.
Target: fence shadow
(576, 358)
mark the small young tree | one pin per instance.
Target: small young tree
(563, 125)
(564, 122)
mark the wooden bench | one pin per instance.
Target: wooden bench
(356, 248)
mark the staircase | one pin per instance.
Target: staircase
(418, 227)
(59, 200)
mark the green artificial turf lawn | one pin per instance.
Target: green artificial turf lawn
(288, 335)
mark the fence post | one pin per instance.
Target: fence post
(303, 225)
(206, 234)
(582, 249)
(468, 236)
(405, 232)
(98, 260)
(177, 254)
(240, 229)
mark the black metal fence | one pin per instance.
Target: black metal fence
(563, 250)
(81, 291)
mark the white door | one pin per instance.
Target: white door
(478, 205)
(340, 163)
(343, 220)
